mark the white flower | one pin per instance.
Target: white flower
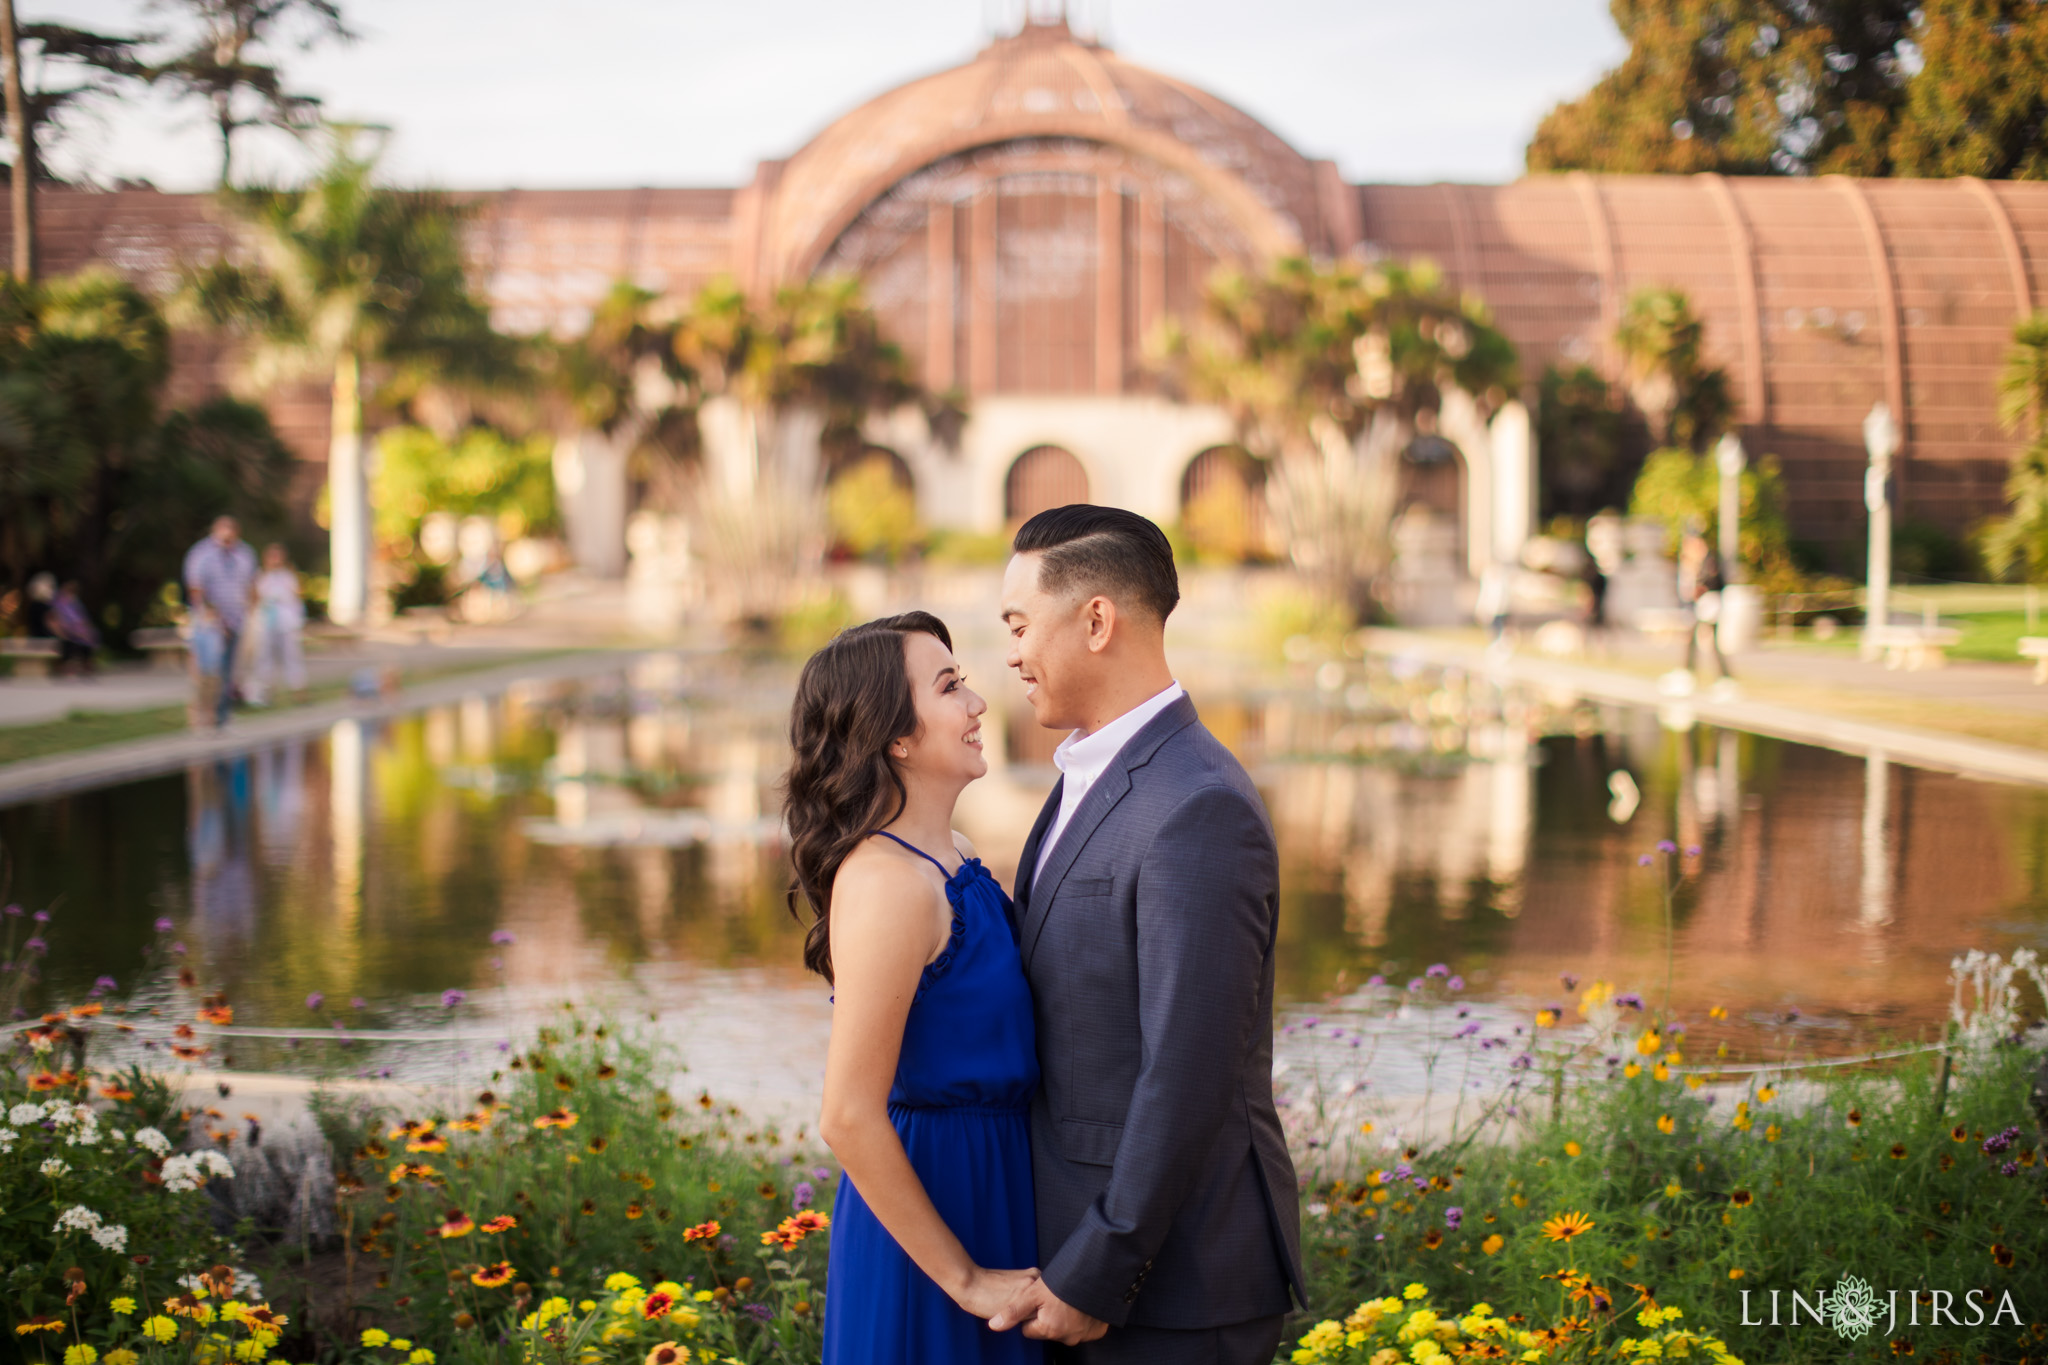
(112, 1236)
(79, 1218)
(245, 1286)
(181, 1174)
(7, 1137)
(24, 1113)
(150, 1140)
(117, 1135)
(54, 1168)
(41, 1042)
(216, 1163)
(64, 1115)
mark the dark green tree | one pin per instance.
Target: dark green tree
(1660, 337)
(1751, 87)
(219, 63)
(1578, 438)
(1978, 105)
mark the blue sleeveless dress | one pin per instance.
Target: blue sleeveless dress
(960, 1103)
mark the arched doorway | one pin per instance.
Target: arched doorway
(871, 506)
(1433, 477)
(1223, 506)
(1043, 477)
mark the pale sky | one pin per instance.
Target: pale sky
(602, 93)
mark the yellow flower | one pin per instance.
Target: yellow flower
(400, 1344)
(618, 1331)
(1565, 1226)
(1632, 1070)
(122, 1306)
(376, 1336)
(80, 1354)
(1647, 1042)
(1771, 1133)
(586, 1305)
(1766, 1095)
(1492, 1245)
(702, 1296)
(1572, 1149)
(1674, 1189)
(1424, 1351)
(121, 1355)
(1695, 1082)
(1415, 1291)
(1546, 1018)
(251, 1349)
(1662, 1073)
(421, 1357)
(160, 1329)
(1666, 1124)
(1718, 1012)
(621, 1280)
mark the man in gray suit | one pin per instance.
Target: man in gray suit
(1146, 904)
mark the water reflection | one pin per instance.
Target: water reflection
(619, 836)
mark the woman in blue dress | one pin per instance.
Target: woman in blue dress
(932, 1062)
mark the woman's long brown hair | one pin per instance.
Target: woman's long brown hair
(852, 701)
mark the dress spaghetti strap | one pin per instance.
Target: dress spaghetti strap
(919, 852)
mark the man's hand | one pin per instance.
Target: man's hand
(1045, 1318)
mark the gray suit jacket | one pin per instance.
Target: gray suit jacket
(1166, 1196)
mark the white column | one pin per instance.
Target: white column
(590, 480)
(1514, 481)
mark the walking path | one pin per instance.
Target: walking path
(1812, 697)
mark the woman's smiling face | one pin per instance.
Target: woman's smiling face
(947, 746)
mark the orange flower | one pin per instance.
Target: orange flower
(1433, 1239)
(412, 1129)
(115, 1091)
(810, 1220)
(415, 1170)
(427, 1144)
(189, 1054)
(657, 1305)
(220, 1015)
(559, 1118)
(703, 1232)
(668, 1353)
(1741, 1199)
(2002, 1254)
(504, 1222)
(793, 1229)
(782, 1236)
(493, 1276)
(1566, 1226)
(43, 1080)
(86, 1011)
(457, 1225)
(41, 1322)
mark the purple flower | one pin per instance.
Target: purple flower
(821, 1173)
(1693, 851)
(1420, 1182)
(1453, 1216)
(315, 1001)
(1666, 846)
(761, 1312)
(36, 945)
(1675, 1031)
(1570, 982)
(1645, 860)
(163, 924)
(42, 917)
(13, 911)
(1467, 1031)
(1456, 983)
(355, 1002)
(1403, 1170)
(2009, 1168)
(1437, 969)
(1376, 980)
(451, 997)
(497, 964)
(1310, 1022)
(1522, 1062)
(1415, 985)
(178, 949)
(104, 984)
(801, 1196)
(503, 937)
(1630, 1001)
(1379, 1236)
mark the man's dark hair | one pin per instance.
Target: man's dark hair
(1106, 550)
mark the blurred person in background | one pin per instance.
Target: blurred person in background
(78, 640)
(220, 573)
(280, 624)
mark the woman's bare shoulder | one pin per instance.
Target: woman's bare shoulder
(964, 845)
(878, 879)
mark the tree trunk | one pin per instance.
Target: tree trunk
(224, 118)
(23, 180)
(348, 498)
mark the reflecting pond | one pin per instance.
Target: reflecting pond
(616, 838)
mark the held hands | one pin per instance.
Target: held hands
(987, 1291)
(1044, 1317)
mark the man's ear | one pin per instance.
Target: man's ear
(1100, 613)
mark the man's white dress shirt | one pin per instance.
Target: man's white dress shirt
(1082, 759)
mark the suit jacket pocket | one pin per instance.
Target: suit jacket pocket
(1087, 886)
(1091, 1144)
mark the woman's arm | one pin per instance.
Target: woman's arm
(885, 927)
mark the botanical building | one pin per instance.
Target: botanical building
(1023, 220)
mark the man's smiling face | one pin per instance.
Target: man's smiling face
(1048, 645)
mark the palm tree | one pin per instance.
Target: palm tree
(1661, 339)
(217, 65)
(2020, 538)
(349, 279)
(1327, 371)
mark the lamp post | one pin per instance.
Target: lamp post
(1881, 439)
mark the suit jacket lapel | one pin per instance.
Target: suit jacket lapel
(1028, 864)
(1095, 807)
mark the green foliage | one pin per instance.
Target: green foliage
(1745, 87)
(217, 64)
(1578, 436)
(2018, 541)
(962, 548)
(1977, 106)
(872, 513)
(482, 473)
(805, 626)
(602, 1172)
(97, 481)
(1677, 486)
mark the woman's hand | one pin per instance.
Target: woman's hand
(987, 1291)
